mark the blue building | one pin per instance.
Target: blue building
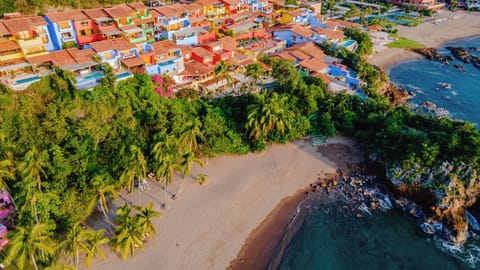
(293, 34)
(61, 27)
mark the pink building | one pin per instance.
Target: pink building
(419, 4)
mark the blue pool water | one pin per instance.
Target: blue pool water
(95, 75)
(123, 75)
(348, 43)
(26, 80)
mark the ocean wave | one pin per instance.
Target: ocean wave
(469, 253)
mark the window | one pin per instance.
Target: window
(45, 39)
(24, 35)
(84, 23)
(64, 25)
(67, 35)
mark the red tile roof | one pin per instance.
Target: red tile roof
(163, 46)
(57, 58)
(232, 3)
(133, 62)
(74, 15)
(208, 2)
(314, 64)
(203, 53)
(295, 13)
(110, 44)
(81, 56)
(309, 48)
(24, 24)
(3, 30)
(330, 33)
(340, 23)
(138, 6)
(172, 10)
(120, 11)
(194, 68)
(8, 45)
(194, 7)
(295, 28)
(96, 13)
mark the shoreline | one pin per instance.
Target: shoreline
(207, 227)
(430, 35)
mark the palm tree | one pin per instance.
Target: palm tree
(192, 135)
(201, 179)
(101, 198)
(6, 172)
(187, 159)
(26, 245)
(222, 72)
(267, 115)
(144, 218)
(136, 167)
(76, 242)
(128, 233)
(255, 72)
(166, 169)
(32, 166)
(94, 242)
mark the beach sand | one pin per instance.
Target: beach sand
(457, 25)
(206, 227)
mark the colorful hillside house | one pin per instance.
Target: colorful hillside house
(192, 36)
(292, 33)
(115, 52)
(168, 58)
(300, 16)
(103, 25)
(172, 18)
(213, 9)
(31, 34)
(61, 26)
(144, 19)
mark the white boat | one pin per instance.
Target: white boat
(445, 85)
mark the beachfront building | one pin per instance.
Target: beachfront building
(172, 18)
(419, 4)
(292, 33)
(168, 58)
(31, 34)
(103, 26)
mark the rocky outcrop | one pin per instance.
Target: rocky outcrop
(456, 188)
(430, 53)
(464, 55)
(396, 95)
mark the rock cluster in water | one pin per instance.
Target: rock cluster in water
(455, 187)
(460, 53)
(396, 95)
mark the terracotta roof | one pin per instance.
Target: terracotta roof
(194, 7)
(315, 65)
(163, 46)
(138, 6)
(325, 78)
(333, 23)
(194, 68)
(376, 27)
(295, 28)
(110, 44)
(295, 13)
(203, 53)
(284, 55)
(57, 58)
(24, 24)
(3, 30)
(233, 3)
(133, 62)
(96, 13)
(308, 48)
(330, 33)
(74, 15)
(8, 45)
(208, 2)
(119, 11)
(81, 56)
(227, 43)
(186, 50)
(171, 10)
(155, 13)
(277, 2)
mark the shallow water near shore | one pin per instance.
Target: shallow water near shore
(424, 77)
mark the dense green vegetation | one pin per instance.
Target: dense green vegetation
(63, 151)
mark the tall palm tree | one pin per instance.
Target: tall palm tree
(26, 245)
(186, 161)
(32, 165)
(97, 239)
(136, 167)
(144, 219)
(268, 114)
(101, 198)
(192, 135)
(166, 170)
(128, 233)
(255, 72)
(222, 72)
(76, 242)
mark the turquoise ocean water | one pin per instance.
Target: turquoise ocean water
(330, 238)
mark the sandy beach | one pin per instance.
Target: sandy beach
(456, 25)
(206, 227)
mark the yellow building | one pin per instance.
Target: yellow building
(30, 33)
(213, 9)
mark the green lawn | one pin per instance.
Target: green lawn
(405, 43)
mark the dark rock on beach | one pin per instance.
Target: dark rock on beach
(430, 53)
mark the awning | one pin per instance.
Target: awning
(74, 67)
(112, 33)
(133, 30)
(14, 66)
(133, 62)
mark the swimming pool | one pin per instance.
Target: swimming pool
(348, 43)
(27, 80)
(95, 75)
(123, 75)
